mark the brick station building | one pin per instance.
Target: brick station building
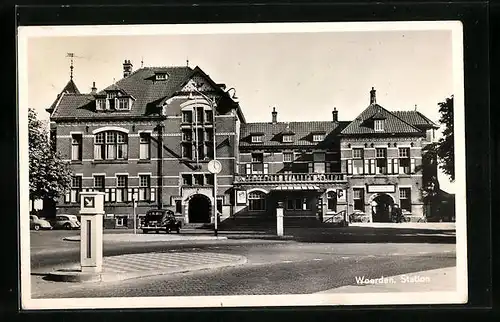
(150, 135)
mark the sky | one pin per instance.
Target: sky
(304, 75)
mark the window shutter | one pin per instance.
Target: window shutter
(367, 166)
(67, 197)
(395, 163)
(153, 194)
(349, 166)
(389, 166)
(249, 169)
(113, 194)
(106, 195)
(129, 194)
(412, 166)
(266, 168)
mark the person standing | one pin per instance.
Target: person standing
(397, 214)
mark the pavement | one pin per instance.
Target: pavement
(124, 267)
(423, 281)
(407, 225)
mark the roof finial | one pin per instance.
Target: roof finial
(415, 107)
(71, 55)
(187, 62)
(142, 62)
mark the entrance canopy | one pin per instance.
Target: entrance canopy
(297, 187)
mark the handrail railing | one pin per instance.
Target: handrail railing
(292, 177)
(336, 216)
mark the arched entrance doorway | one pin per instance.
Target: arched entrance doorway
(381, 208)
(199, 209)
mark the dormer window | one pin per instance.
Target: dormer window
(123, 103)
(256, 138)
(161, 76)
(287, 138)
(318, 137)
(100, 104)
(379, 125)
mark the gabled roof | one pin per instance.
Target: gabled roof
(139, 84)
(273, 132)
(415, 118)
(393, 124)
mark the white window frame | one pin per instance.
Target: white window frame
(287, 138)
(145, 145)
(318, 137)
(78, 145)
(379, 125)
(144, 190)
(257, 138)
(262, 196)
(125, 101)
(124, 189)
(286, 155)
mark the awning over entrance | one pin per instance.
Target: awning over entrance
(297, 187)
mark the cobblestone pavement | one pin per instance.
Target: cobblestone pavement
(280, 269)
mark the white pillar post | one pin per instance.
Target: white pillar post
(91, 212)
(279, 218)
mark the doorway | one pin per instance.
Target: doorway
(381, 208)
(199, 209)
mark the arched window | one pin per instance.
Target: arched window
(256, 201)
(110, 145)
(331, 197)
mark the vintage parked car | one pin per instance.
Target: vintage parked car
(39, 223)
(161, 220)
(66, 222)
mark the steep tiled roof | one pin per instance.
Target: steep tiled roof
(140, 84)
(70, 88)
(363, 124)
(303, 132)
(415, 118)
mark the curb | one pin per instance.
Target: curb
(74, 275)
(146, 240)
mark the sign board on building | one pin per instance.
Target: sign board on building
(382, 188)
(341, 195)
(241, 197)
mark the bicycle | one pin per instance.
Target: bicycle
(422, 219)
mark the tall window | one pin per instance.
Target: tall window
(144, 187)
(319, 163)
(357, 162)
(208, 116)
(404, 160)
(76, 147)
(381, 155)
(76, 188)
(198, 179)
(121, 188)
(379, 125)
(199, 114)
(256, 201)
(100, 104)
(257, 163)
(178, 206)
(187, 116)
(99, 183)
(110, 145)
(145, 146)
(331, 198)
(187, 179)
(358, 197)
(405, 198)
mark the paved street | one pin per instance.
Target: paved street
(272, 267)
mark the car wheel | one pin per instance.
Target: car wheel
(67, 226)
(36, 227)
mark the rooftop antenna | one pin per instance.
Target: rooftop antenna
(71, 56)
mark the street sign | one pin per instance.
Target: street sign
(214, 166)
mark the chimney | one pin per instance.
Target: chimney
(93, 89)
(373, 98)
(335, 115)
(127, 68)
(275, 115)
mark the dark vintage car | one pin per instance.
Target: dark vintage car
(161, 220)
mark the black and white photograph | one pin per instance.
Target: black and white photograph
(242, 165)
